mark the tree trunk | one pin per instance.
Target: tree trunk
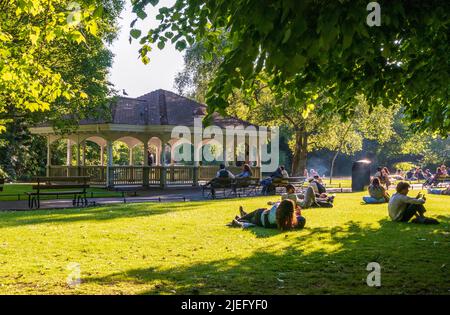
(332, 165)
(300, 153)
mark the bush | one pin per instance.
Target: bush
(3, 174)
(404, 166)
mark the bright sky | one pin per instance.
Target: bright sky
(128, 72)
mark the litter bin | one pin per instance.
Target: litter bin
(360, 175)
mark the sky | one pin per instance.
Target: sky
(128, 72)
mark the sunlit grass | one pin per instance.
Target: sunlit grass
(185, 248)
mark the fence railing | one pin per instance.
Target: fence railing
(140, 175)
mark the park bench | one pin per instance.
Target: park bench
(2, 182)
(216, 184)
(245, 186)
(77, 185)
(231, 186)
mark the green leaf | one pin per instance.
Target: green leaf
(135, 33)
(161, 45)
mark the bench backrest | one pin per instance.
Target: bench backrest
(246, 181)
(80, 182)
(221, 182)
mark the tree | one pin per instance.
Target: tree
(52, 58)
(51, 74)
(308, 130)
(347, 137)
(326, 44)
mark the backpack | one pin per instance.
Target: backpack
(223, 174)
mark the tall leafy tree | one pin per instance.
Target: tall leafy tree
(52, 55)
(324, 43)
(54, 64)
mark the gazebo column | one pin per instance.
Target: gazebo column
(258, 155)
(162, 178)
(146, 169)
(83, 158)
(78, 158)
(68, 157)
(102, 155)
(109, 166)
(49, 157)
(130, 155)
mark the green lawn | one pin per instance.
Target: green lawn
(12, 192)
(184, 248)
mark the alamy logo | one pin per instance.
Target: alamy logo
(374, 277)
(246, 144)
(75, 14)
(374, 17)
(74, 277)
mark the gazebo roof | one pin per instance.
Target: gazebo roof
(160, 107)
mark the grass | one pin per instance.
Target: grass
(184, 248)
(13, 192)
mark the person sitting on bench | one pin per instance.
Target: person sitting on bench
(267, 182)
(222, 173)
(403, 208)
(282, 215)
(246, 172)
(378, 193)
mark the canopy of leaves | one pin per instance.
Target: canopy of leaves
(310, 45)
(52, 56)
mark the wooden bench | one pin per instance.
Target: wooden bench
(215, 184)
(246, 186)
(78, 186)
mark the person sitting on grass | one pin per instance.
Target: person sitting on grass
(317, 185)
(378, 193)
(410, 175)
(403, 208)
(306, 200)
(283, 216)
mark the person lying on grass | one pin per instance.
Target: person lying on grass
(402, 208)
(307, 200)
(284, 215)
(445, 191)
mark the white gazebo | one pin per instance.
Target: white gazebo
(148, 122)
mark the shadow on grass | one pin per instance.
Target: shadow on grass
(99, 213)
(414, 260)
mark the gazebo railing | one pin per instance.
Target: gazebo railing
(140, 175)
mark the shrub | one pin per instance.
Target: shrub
(404, 166)
(3, 174)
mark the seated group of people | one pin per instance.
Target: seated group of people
(441, 172)
(383, 176)
(224, 173)
(401, 207)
